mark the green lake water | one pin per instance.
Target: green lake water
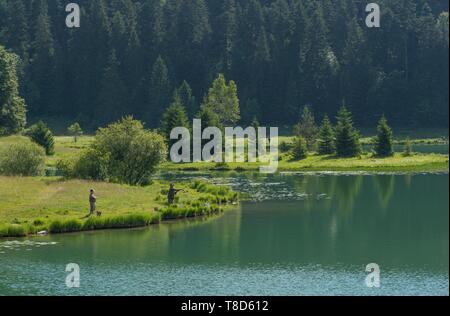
(301, 234)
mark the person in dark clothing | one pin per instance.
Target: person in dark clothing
(92, 202)
(172, 193)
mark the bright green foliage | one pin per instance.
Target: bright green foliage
(12, 106)
(299, 149)
(223, 100)
(125, 152)
(326, 141)
(75, 130)
(42, 135)
(22, 159)
(383, 145)
(209, 118)
(347, 137)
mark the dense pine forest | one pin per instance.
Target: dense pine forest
(129, 56)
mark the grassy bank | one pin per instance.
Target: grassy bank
(366, 162)
(30, 205)
(66, 148)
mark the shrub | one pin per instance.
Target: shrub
(41, 135)
(22, 159)
(123, 152)
(65, 167)
(91, 165)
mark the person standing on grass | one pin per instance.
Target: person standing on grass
(92, 202)
(171, 194)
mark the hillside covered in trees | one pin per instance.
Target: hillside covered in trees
(129, 56)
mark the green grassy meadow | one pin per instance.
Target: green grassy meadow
(32, 204)
(66, 148)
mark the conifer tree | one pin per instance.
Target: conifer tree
(160, 90)
(383, 145)
(174, 116)
(347, 137)
(112, 96)
(43, 136)
(300, 148)
(326, 141)
(184, 93)
(12, 106)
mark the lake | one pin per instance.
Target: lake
(300, 234)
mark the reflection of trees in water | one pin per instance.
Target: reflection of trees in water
(346, 190)
(327, 190)
(385, 186)
(408, 180)
(320, 189)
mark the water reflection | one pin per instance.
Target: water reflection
(309, 232)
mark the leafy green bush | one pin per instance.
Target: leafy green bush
(42, 135)
(91, 165)
(22, 159)
(123, 152)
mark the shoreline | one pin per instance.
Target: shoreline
(124, 226)
(417, 163)
(55, 206)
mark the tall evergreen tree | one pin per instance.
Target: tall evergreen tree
(299, 149)
(41, 88)
(347, 137)
(383, 145)
(174, 116)
(12, 106)
(184, 93)
(326, 141)
(111, 97)
(160, 91)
